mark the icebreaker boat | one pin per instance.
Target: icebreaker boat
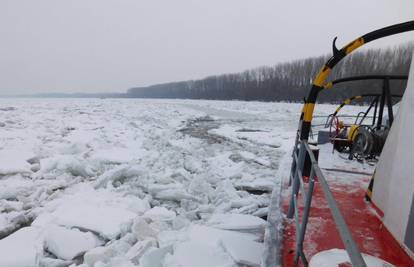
(335, 211)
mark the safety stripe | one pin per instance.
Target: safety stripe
(308, 111)
(368, 194)
(347, 102)
(305, 129)
(339, 108)
(322, 75)
(328, 85)
(354, 45)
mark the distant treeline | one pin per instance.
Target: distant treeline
(291, 81)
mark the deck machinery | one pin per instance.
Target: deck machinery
(365, 137)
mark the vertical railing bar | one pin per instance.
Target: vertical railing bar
(295, 157)
(291, 176)
(310, 153)
(350, 245)
(306, 212)
(295, 184)
(297, 232)
(294, 162)
(303, 258)
(302, 188)
(296, 214)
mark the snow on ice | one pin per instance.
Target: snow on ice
(69, 243)
(20, 248)
(338, 257)
(133, 182)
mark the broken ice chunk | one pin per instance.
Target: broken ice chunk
(118, 155)
(67, 244)
(51, 262)
(339, 257)
(160, 214)
(155, 257)
(224, 193)
(98, 211)
(237, 222)
(212, 236)
(174, 195)
(14, 161)
(193, 253)
(135, 253)
(244, 252)
(64, 164)
(104, 254)
(118, 175)
(192, 165)
(142, 230)
(260, 184)
(20, 248)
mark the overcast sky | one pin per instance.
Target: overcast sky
(112, 45)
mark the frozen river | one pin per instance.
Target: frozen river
(132, 182)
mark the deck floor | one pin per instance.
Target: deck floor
(365, 224)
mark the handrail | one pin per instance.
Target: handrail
(368, 77)
(297, 181)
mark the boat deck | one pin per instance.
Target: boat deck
(361, 216)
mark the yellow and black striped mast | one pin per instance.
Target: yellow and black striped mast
(319, 83)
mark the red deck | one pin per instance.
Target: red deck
(366, 227)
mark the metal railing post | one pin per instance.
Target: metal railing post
(296, 182)
(294, 153)
(302, 231)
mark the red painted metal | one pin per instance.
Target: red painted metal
(362, 218)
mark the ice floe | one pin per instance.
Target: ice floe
(237, 222)
(94, 210)
(67, 244)
(21, 248)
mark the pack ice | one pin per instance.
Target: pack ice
(131, 182)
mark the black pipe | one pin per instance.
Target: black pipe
(368, 110)
(382, 104)
(375, 110)
(389, 102)
(370, 77)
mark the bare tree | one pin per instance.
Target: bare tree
(290, 81)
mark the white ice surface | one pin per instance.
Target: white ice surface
(159, 214)
(212, 236)
(193, 253)
(98, 211)
(98, 165)
(66, 243)
(15, 161)
(21, 248)
(334, 257)
(155, 257)
(244, 252)
(237, 222)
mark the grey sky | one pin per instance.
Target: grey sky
(112, 45)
